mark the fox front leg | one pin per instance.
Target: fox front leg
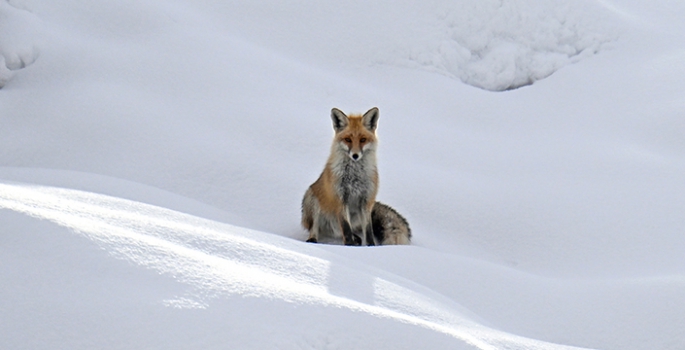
(349, 237)
(314, 230)
(366, 228)
(369, 237)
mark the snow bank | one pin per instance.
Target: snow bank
(494, 45)
(501, 45)
(181, 281)
(19, 31)
(221, 263)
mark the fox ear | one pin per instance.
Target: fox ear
(370, 119)
(339, 118)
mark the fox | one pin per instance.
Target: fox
(340, 202)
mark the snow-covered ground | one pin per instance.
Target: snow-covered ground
(153, 156)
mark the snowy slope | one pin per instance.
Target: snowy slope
(153, 157)
(256, 279)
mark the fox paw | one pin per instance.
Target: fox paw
(312, 240)
(355, 241)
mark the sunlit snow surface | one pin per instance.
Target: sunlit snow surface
(219, 260)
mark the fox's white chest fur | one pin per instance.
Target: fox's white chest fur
(355, 178)
(356, 187)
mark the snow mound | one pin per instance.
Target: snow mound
(502, 45)
(17, 40)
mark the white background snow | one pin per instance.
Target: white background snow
(153, 155)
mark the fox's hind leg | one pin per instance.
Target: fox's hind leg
(311, 216)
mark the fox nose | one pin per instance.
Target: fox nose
(355, 156)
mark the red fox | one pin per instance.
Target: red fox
(340, 202)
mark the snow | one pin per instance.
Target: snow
(498, 45)
(153, 156)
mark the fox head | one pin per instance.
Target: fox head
(355, 135)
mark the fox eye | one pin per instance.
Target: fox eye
(362, 140)
(348, 140)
